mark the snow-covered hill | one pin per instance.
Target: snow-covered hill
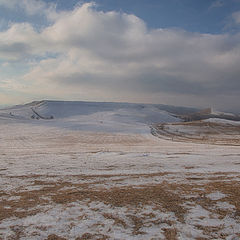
(91, 116)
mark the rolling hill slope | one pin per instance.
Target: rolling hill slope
(91, 116)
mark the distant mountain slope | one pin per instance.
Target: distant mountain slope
(96, 116)
(103, 116)
(65, 109)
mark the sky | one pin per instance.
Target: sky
(177, 52)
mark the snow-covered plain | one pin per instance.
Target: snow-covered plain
(94, 171)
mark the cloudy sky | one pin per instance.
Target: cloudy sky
(178, 52)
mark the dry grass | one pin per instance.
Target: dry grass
(137, 224)
(232, 191)
(89, 236)
(168, 196)
(164, 197)
(170, 233)
(117, 220)
(55, 237)
(158, 195)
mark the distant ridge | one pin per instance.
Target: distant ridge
(209, 113)
(169, 108)
(92, 116)
(116, 111)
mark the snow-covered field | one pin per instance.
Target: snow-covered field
(211, 131)
(98, 173)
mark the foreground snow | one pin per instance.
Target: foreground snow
(58, 183)
(94, 171)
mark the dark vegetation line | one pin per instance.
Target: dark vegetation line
(38, 115)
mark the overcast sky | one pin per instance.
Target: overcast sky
(178, 52)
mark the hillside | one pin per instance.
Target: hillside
(91, 116)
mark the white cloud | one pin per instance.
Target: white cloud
(31, 7)
(20, 41)
(236, 17)
(109, 54)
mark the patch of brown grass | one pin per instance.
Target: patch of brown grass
(55, 237)
(117, 220)
(164, 197)
(158, 195)
(189, 167)
(232, 191)
(137, 224)
(170, 233)
(89, 236)
(212, 231)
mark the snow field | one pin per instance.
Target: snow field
(100, 174)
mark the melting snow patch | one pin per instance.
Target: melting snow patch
(216, 196)
(225, 205)
(13, 198)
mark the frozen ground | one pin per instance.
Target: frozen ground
(211, 131)
(61, 181)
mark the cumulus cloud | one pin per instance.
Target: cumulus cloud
(86, 53)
